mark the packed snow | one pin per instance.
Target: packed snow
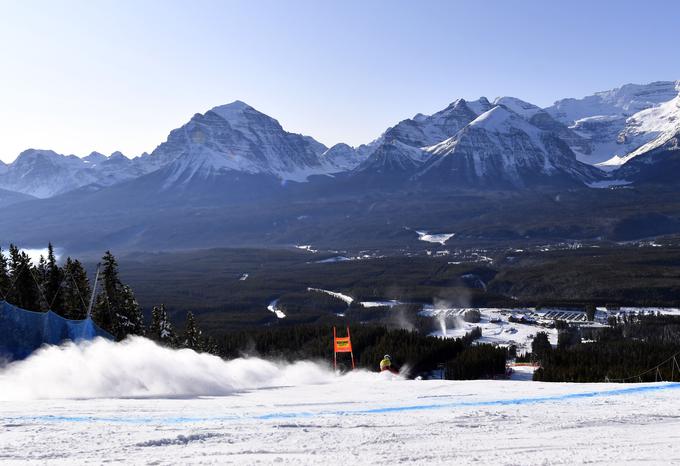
(140, 404)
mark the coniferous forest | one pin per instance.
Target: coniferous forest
(630, 349)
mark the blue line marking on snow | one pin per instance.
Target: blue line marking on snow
(358, 412)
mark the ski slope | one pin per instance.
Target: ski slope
(124, 403)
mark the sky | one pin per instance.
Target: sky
(106, 75)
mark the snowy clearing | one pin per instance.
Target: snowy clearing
(272, 308)
(303, 413)
(440, 238)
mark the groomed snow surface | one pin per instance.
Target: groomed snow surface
(137, 403)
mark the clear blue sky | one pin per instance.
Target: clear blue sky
(77, 76)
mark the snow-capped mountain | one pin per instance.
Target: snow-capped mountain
(393, 158)
(342, 156)
(607, 129)
(652, 128)
(45, 173)
(237, 138)
(612, 120)
(543, 120)
(501, 148)
(426, 130)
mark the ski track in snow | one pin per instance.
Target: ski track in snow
(368, 419)
(135, 402)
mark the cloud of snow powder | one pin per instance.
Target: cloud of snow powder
(138, 367)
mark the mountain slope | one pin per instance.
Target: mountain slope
(8, 198)
(500, 148)
(392, 160)
(659, 165)
(237, 138)
(608, 119)
(45, 173)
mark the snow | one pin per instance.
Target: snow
(390, 303)
(334, 259)
(495, 326)
(343, 297)
(250, 411)
(440, 238)
(272, 308)
(520, 107)
(306, 247)
(45, 173)
(608, 183)
(671, 311)
(624, 122)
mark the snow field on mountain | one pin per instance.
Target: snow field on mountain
(303, 413)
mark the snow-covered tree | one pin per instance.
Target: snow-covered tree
(117, 310)
(192, 335)
(161, 328)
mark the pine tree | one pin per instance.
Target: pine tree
(161, 329)
(40, 275)
(5, 281)
(75, 290)
(192, 335)
(210, 346)
(117, 310)
(541, 346)
(53, 281)
(130, 317)
(24, 293)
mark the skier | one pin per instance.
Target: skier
(386, 365)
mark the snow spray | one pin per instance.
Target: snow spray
(138, 367)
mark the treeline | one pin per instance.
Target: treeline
(66, 290)
(45, 285)
(628, 351)
(460, 358)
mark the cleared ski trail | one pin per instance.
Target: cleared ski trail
(360, 418)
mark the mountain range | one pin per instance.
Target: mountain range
(231, 154)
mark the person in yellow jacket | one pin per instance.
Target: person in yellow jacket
(386, 364)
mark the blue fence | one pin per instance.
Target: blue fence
(22, 331)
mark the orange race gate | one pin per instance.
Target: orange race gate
(341, 345)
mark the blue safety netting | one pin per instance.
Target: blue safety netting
(22, 331)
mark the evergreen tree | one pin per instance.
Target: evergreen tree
(5, 281)
(161, 329)
(75, 290)
(40, 275)
(116, 309)
(192, 335)
(24, 293)
(210, 346)
(130, 320)
(52, 283)
(541, 346)
(590, 312)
